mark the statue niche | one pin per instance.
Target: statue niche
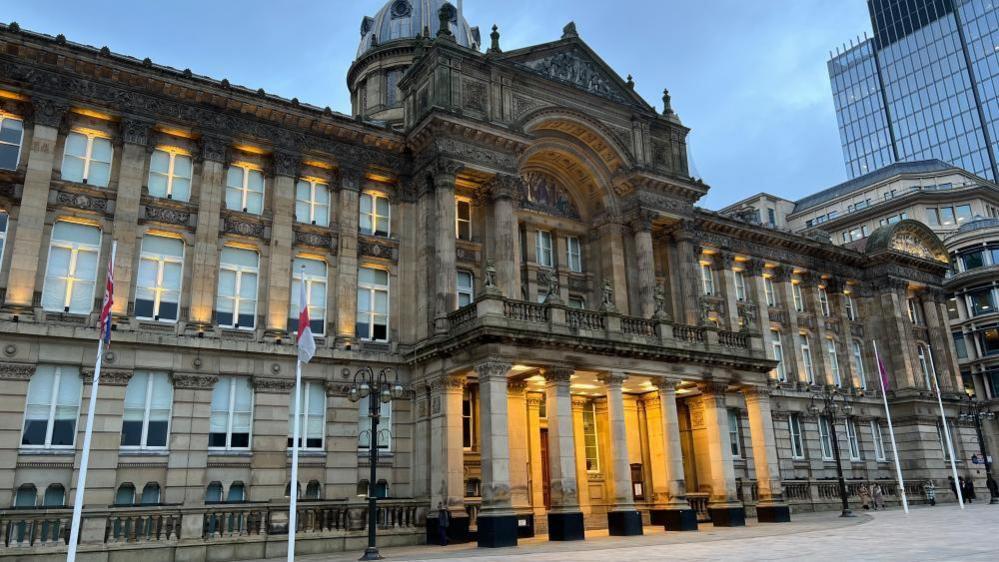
(543, 194)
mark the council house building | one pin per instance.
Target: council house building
(513, 233)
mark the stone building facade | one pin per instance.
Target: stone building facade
(518, 240)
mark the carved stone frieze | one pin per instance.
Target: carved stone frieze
(136, 131)
(82, 201)
(328, 241)
(272, 385)
(474, 95)
(377, 249)
(16, 371)
(575, 68)
(466, 254)
(523, 105)
(233, 224)
(193, 381)
(167, 215)
(110, 377)
(470, 153)
(46, 110)
(446, 383)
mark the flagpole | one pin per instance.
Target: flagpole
(946, 431)
(81, 484)
(293, 487)
(891, 430)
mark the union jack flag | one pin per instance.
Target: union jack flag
(104, 323)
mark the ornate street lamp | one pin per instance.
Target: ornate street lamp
(378, 390)
(977, 411)
(831, 399)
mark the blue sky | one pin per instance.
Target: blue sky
(749, 77)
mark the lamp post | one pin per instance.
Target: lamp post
(378, 389)
(976, 411)
(830, 399)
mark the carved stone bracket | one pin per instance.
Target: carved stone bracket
(286, 163)
(317, 240)
(194, 381)
(16, 371)
(48, 111)
(136, 131)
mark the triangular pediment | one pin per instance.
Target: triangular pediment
(572, 62)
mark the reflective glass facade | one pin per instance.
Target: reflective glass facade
(924, 87)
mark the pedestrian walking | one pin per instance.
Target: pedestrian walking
(968, 489)
(865, 497)
(993, 486)
(930, 490)
(953, 486)
(443, 522)
(879, 499)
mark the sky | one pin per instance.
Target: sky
(748, 77)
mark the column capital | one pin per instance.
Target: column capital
(214, 148)
(558, 374)
(667, 384)
(350, 177)
(782, 273)
(48, 111)
(641, 220)
(505, 186)
(444, 171)
(136, 130)
(447, 382)
(713, 387)
(753, 267)
(723, 260)
(194, 381)
(579, 402)
(286, 163)
(615, 378)
(492, 369)
(534, 399)
(516, 387)
(756, 392)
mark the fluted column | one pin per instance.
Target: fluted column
(710, 421)
(27, 245)
(205, 263)
(641, 228)
(668, 481)
(565, 520)
(534, 401)
(623, 519)
(282, 236)
(771, 507)
(444, 175)
(497, 523)
(135, 138)
(506, 248)
(447, 457)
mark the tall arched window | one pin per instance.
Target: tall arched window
(213, 493)
(26, 496)
(55, 496)
(151, 494)
(313, 491)
(924, 364)
(237, 493)
(125, 494)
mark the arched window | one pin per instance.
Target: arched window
(287, 489)
(151, 494)
(313, 491)
(237, 493)
(381, 489)
(213, 494)
(125, 494)
(362, 487)
(55, 496)
(26, 496)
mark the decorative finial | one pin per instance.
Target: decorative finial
(667, 106)
(495, 46)
(14, 27)
(444, 14)
(569, 30)
(631, 82)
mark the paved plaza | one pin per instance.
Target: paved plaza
(938, 533)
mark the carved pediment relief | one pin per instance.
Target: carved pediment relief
(577, 67)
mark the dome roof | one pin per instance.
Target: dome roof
(406, 19)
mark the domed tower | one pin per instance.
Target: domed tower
(388, 42)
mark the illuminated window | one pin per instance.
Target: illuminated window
(768, 288)
(590, 444)
(170, 175)
(707, 279)
(71, 272)
(236, 305)
(315, 293)
(858, 363)
(4, 217)
(466, 288)
(87, 159)
(468, 429)
(851, 311)
(915, 312)
(158, 284)
(575, 252)
(544, 249)
(825, 438)
(879, 443)
(799, 300)
(852, 439)
(312, 202)
(372, 304)
(834, 362)
(463, 219)
(231, 414)
(312, 416)
(53, 406)
(148, 400)
(244, 189)
(11, 136)
(734, 433)
(375, 214)
(797, 444)
(778, 352)
(806, 356)
(824, 302)
(740, 286)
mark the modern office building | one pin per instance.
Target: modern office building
(925, 86)
(513, 232)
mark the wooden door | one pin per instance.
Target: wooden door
(546, 476)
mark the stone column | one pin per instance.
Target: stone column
(497, 522)
(447, 457)
(687, 258)
(15, 378)
(613, 265)
(520, 491)
(936, 322)
(421, 445)
(723, 264)
(506, 234)
(445, 173)
(641, 228)
(282, 239)
(897, 348)
(582, 475)
(565, 520)
(342, 425)
(756, 310)
(623, 519)
(712, 441)
(346, 269)
(189, 428)
(668, 482)
(25, 258)
(534, 401)
(770, 507)
(271, 464)
(205, 263)
(135, 138)
(106, 440)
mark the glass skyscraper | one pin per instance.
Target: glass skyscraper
(925, 86)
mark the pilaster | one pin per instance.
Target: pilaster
(131, 177)
(346, 270)
(447, 461)
(444, 174)
(280, 258)
(270, 463)
(106, 440)
(189, 428)
(641, 228)
(342, 426)
(204, 264)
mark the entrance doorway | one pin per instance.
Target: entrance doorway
(546, 477)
